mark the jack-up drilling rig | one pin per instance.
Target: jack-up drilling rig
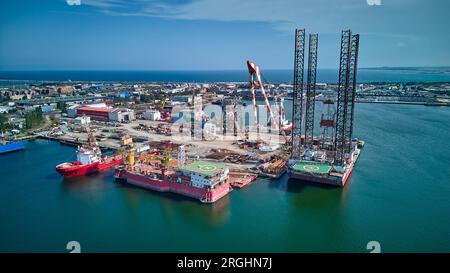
(330, 158)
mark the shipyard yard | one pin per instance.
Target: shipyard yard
(195, 148)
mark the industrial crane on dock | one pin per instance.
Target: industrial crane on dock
(256, 83)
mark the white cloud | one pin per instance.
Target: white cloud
(322, 16)
(73, 2)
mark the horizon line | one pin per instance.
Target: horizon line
(199, 70)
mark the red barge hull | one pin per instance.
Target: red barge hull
(239, 181)
(204, 195)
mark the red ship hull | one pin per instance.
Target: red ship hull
(204, 195)
(76, 169)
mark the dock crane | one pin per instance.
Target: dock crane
(256, 83)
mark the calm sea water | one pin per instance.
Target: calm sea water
(398, 195)
(271, 76)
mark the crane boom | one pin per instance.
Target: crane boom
(255, 81)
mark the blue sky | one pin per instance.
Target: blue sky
(216, 34)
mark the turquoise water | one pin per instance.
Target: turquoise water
(399, 195)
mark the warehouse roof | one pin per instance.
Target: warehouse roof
(96, 109)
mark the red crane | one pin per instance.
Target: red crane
(256, 83)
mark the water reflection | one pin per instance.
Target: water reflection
(175, 206)
(93, 185)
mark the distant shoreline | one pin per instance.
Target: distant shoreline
(372, 75)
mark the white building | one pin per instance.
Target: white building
(83, 120)
(152, 115)
(121, 115)
(209, 131)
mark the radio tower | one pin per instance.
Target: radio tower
(297, 102)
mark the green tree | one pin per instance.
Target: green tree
(54, 120)
(34, 118)
(61, 105)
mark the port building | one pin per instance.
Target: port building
(95, 113)
(121, 115)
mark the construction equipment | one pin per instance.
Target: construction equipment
(161, 104)
(127, 153)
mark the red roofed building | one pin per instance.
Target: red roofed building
(95, 113)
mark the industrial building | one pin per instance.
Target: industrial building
(95, 113)
(101, 112)
(152, 115)
(84, 120)
(121, 115)
(72, 110)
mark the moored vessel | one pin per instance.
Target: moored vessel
(89, 160)
(11, 146)
(205, 181)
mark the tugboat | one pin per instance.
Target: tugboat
(89, 160)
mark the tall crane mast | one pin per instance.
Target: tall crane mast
(297, 101)
(311, 90)
(346, 94)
